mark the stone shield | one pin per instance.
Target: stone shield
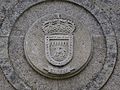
(59, 49)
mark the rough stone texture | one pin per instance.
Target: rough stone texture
(28, 78)
(4, 84)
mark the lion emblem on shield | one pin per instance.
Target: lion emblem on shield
(59, 53)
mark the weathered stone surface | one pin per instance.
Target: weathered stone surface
(3, 47)
(4, 84)
(100, 18)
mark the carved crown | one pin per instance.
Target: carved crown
(58, 26)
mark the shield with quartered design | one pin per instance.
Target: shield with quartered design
(58, 41)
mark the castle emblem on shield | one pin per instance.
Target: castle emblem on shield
(58, 41)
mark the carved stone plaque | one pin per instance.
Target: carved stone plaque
(43, 41)
(53, 47)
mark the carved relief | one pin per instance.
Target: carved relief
(58, 44)
(26, 39)
(58, 41)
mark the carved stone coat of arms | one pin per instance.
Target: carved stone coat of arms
(58, 41)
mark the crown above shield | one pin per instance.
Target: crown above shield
(58, 26)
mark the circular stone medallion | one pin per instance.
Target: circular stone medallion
(58, 46)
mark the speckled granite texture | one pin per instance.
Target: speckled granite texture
(100, 17)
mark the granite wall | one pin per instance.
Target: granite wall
(100, 17)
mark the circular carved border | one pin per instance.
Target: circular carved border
(98, 80)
